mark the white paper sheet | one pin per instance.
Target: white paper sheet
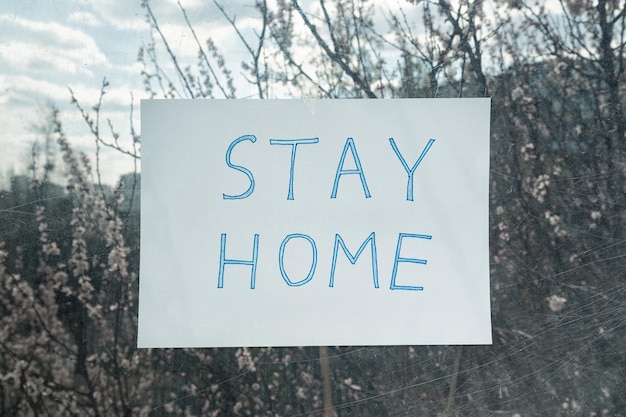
(254, 210)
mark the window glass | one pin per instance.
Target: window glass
(70, 201)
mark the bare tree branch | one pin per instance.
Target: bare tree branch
(335, 57)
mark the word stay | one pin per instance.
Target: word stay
(349, 151)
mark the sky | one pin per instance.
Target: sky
(47, 47)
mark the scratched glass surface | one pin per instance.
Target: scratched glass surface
(70, 190)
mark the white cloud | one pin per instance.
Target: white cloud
(120, 15)
(41, 47)
(84, 18)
